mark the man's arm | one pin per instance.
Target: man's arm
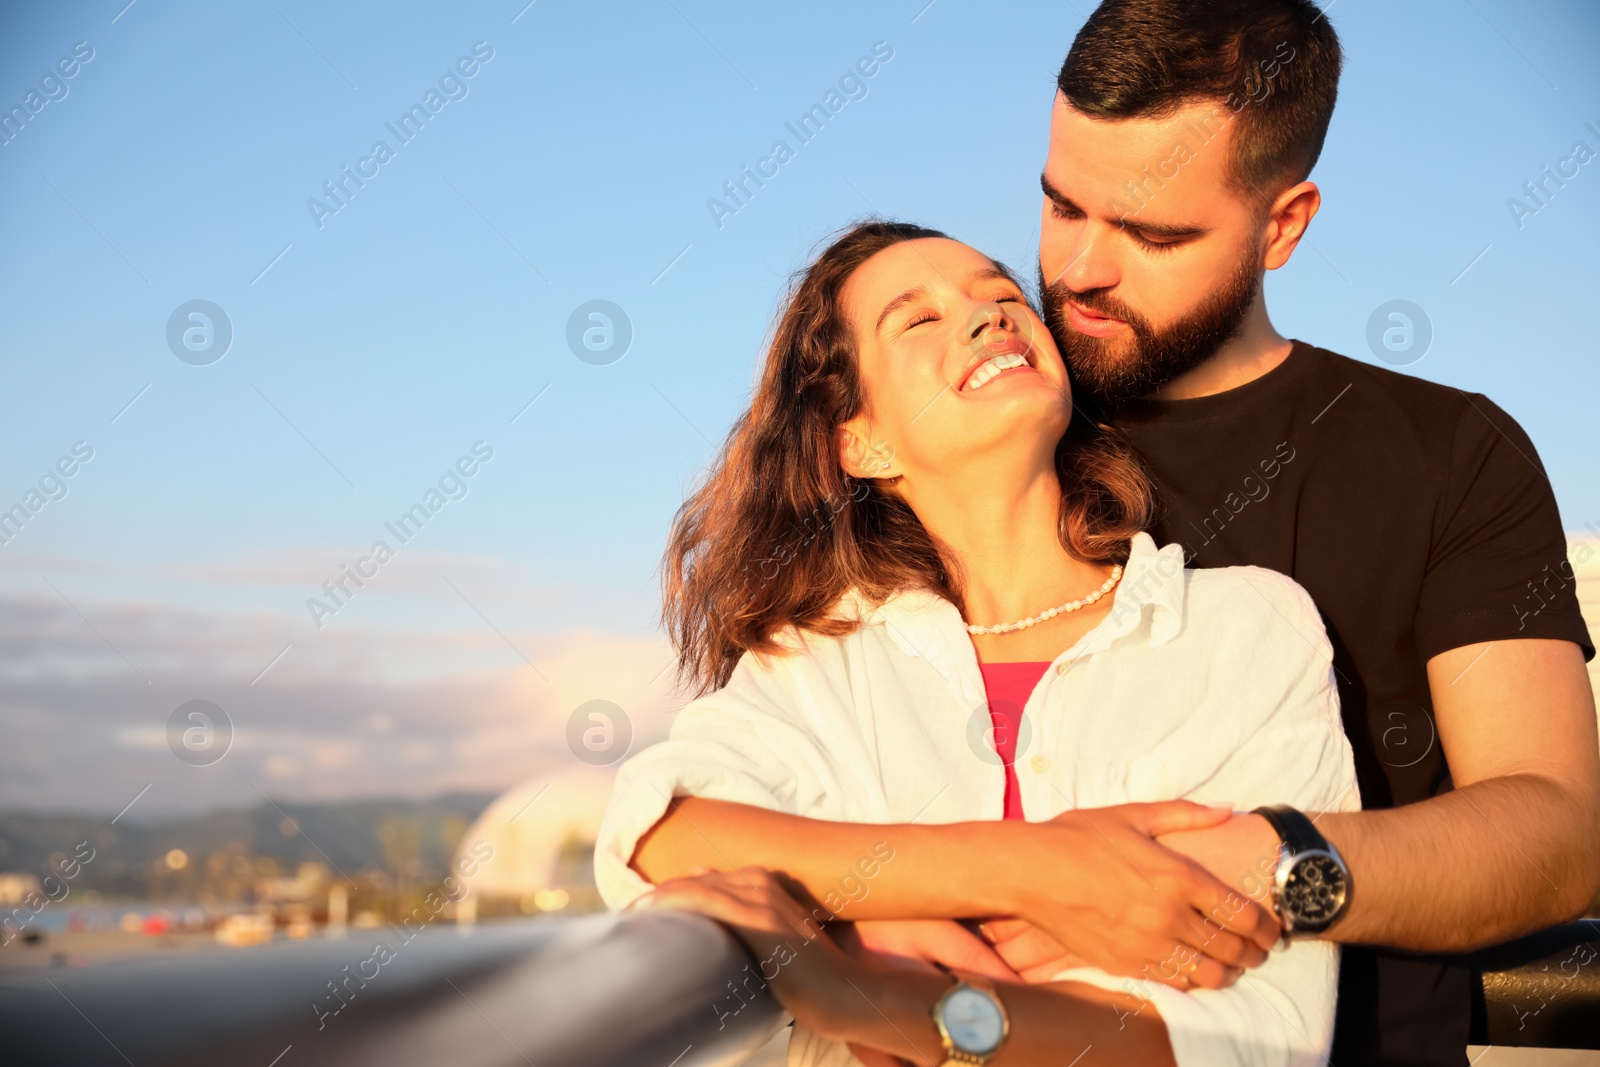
(1514, 848)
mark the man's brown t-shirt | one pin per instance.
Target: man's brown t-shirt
(1420, 519)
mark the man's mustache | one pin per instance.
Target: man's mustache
(1100, 301)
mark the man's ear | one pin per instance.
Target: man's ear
(1287, 221)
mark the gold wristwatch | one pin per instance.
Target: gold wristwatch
(972, 1021)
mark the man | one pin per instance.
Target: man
(1416, 515)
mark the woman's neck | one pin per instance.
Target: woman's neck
(1001, 526)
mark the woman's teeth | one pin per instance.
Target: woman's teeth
(991, 368)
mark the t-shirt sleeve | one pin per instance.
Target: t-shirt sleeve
(1498, 567)
(744, 743)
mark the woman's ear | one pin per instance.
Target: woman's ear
(854, 454)
(860, 455)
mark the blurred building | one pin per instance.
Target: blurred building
(542, 834)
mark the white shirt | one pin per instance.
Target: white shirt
(1210, 685)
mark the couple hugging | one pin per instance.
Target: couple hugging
(1117, 678)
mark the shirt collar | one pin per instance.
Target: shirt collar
(924, 624)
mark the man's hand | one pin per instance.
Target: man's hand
(1099, 883)
(1033, 954)
(923, 945)
(1243, 851)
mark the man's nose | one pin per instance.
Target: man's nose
(1090, 267)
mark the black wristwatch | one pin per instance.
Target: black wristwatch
(1312, 886)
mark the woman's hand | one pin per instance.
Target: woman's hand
(918, 945)
(816, 980)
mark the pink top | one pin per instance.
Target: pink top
(1008, 686)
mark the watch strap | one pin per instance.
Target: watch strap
(1300, 836)
(1294, 829)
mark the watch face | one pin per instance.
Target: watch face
(1314, 889)
(973, 1021)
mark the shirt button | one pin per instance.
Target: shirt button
(1061, 668)
(1040, 764)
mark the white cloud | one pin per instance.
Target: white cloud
(352, 711)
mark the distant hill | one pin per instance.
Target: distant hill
(408, 840)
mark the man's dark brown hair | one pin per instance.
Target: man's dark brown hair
(1271, 66)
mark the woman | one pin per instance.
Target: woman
(911, 547)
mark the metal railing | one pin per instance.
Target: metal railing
(601, 991)
(649, 989)
(1541, 991)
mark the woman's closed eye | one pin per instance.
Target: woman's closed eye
(926, 315)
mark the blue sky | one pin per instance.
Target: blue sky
(373, 350)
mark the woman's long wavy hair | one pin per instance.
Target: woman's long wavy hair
(777, 531)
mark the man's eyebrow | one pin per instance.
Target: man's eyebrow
(1153, 229)
(899, 302)
(1162, 229)
(1056, 194)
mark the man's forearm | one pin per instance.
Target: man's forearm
(1476, 866)
(854, 870)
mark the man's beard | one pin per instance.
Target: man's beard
(1106, 372)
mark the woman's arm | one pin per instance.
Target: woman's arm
(1096, 881)
(1054, 1023)
(726, 790)
(843, 999)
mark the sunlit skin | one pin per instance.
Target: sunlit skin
(1163, 252)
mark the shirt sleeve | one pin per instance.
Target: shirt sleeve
(1498, 568)
(742, 743)
(1290, 749)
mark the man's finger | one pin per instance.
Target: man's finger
(1030, 948)
(965, 950)
(1041, 974)
(1165, 816)
(998, 930)
(1234, 912)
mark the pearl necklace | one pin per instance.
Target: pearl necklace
(1071, 605)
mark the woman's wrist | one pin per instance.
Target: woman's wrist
(982, 869)
(1005, 861)
(884, 1008)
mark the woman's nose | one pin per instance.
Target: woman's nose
(986, 316)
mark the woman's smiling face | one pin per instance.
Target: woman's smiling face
(953, 361)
